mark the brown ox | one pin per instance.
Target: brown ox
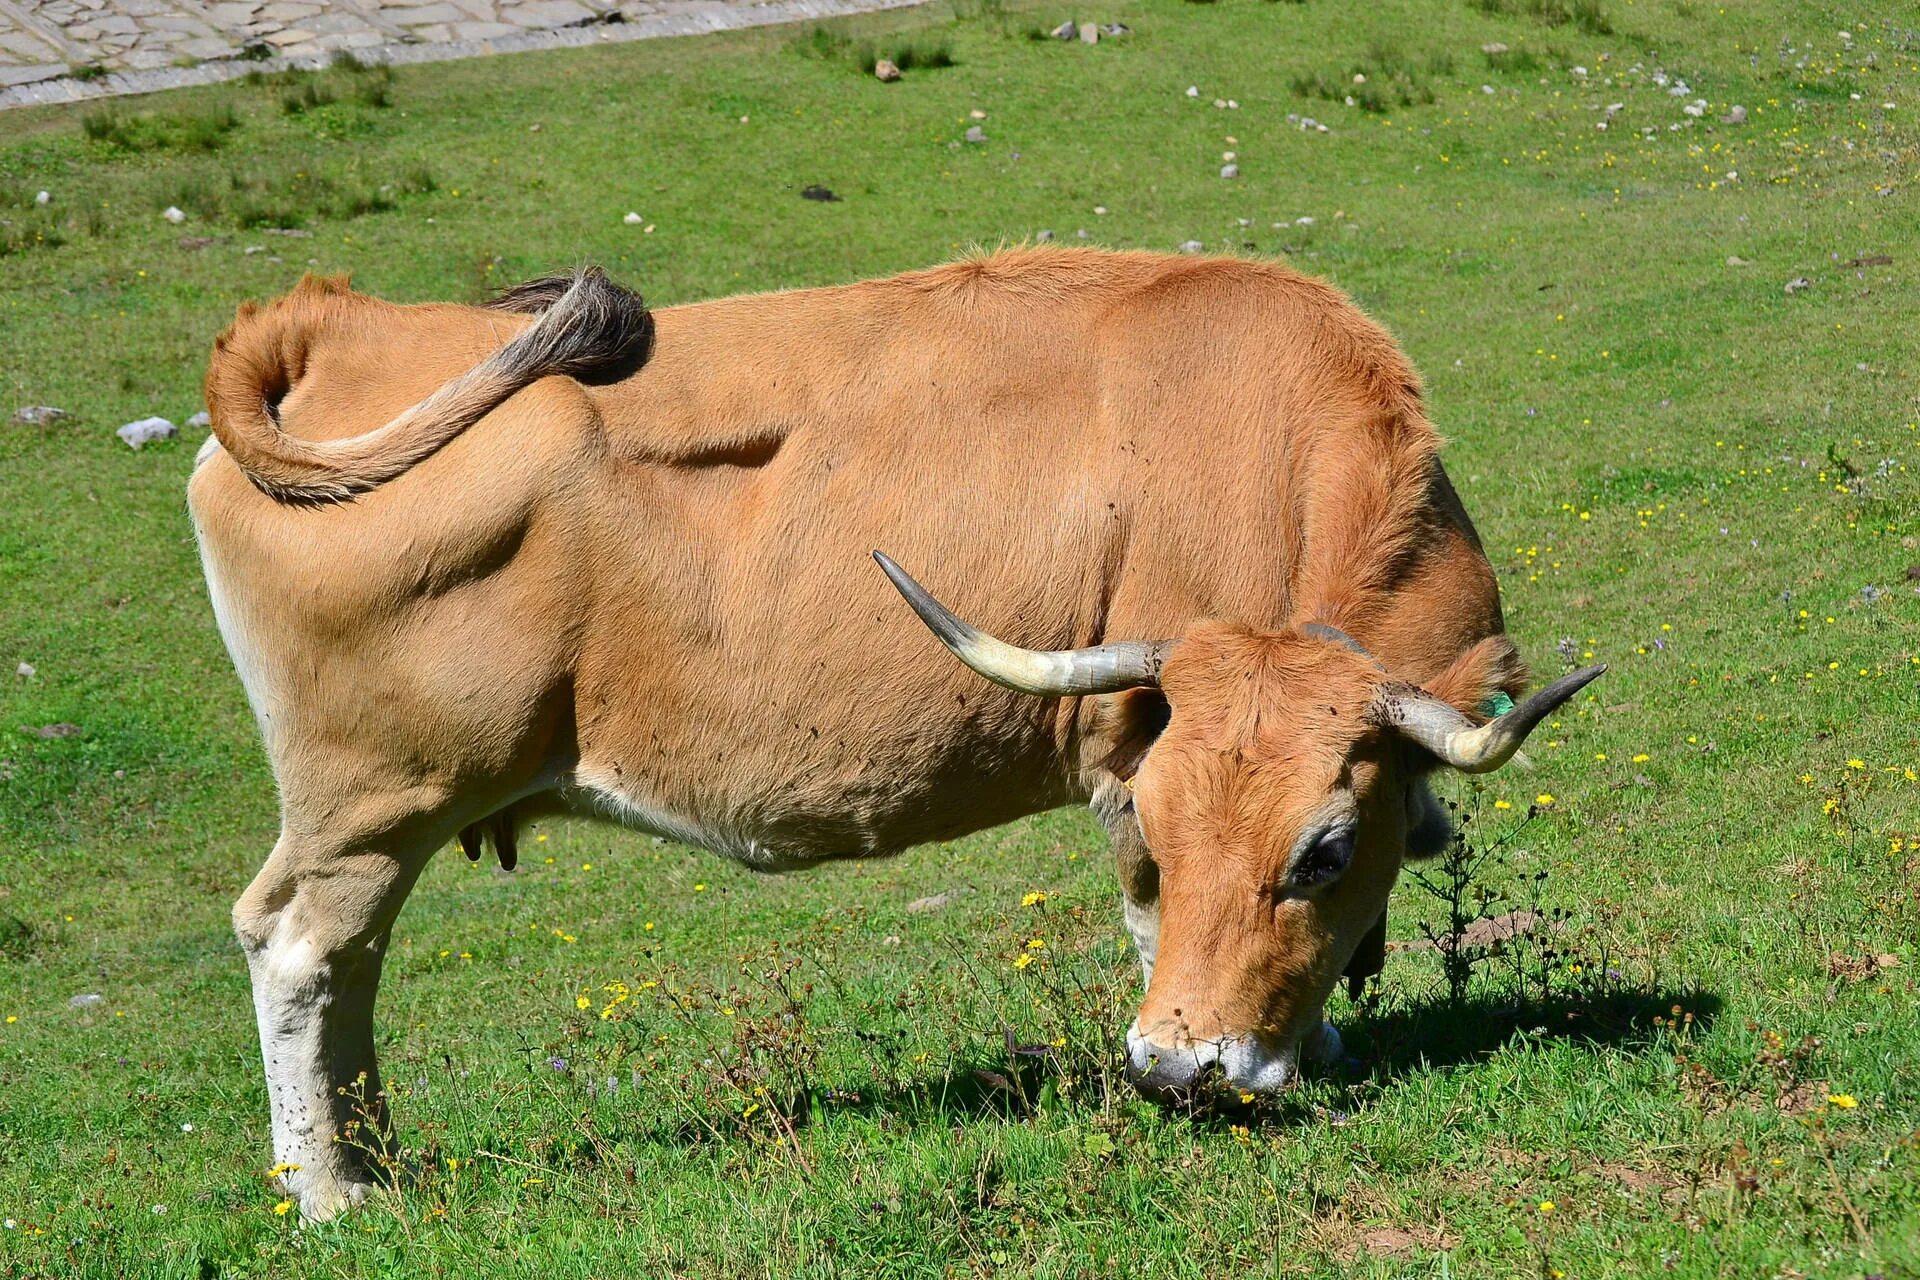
(473, 561)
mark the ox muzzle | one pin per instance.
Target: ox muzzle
(1244, 1063)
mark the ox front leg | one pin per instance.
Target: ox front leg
(1139, 875)
(314, 925)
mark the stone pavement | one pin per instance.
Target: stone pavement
(68, 50)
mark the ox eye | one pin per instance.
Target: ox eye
(1325, 859)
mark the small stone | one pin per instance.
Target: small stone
(1799, 284)
(1696, 108)
(1738, 115)
(39, 415)
(820, 193)
(26, 671)
(633, 219)
(1191, 246)
(1100, 208)
(1735, 260)
(1229, 170)
(43, 197)
(885, 72)
(1494, 49)
(201, 419)
(1065, 31)
(977, 114)
(1117, 29)
(146, 430)
(1193, 91)
(932, 902)
(1043, 235)
(173, 214)
(1089, 34)
(61, 730)
(976, 134)
(1359, 77)
(86, 1000)
(1080, 233)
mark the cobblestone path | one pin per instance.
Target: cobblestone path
(66, 50)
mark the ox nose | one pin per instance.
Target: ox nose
(1248, 1063)
(1165, 1070)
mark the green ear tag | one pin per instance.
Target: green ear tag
(1497, 705)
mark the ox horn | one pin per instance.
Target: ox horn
(1441, 729)
(1062, 673)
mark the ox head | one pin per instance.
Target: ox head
(1278, 802)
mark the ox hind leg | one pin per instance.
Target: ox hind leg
(314, 925)
(1139, 875)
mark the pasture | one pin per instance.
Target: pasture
(1675, 358)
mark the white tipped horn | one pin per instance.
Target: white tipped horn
(1441, 729)
(1062, 673)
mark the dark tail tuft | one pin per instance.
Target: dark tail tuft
(590, 328)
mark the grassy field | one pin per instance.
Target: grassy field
(631, 1058)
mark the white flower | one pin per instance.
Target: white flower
(187, 1127)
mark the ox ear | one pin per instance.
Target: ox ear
(1429, 826)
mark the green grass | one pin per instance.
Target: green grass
(1678, 469)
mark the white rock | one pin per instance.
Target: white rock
(1193, 91)
(633, 219)
(885, 72)
(146, 430)
(25, 671)
(1229, 170)
(1191, 246)
(43, 197)
(86, 1000)
(1066, 31)
(1099, 208)
(201, 419)
(173, 214)
(976, 134)
(39, 415)
(1089, 34)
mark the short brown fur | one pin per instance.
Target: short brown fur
(652, 597)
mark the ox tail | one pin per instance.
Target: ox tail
(589, 327)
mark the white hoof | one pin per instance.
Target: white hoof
(1323, 1046)
(325, 1199)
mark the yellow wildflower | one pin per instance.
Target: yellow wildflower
(1844, 1101)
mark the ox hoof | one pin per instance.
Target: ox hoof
(1323, 1047)
(326, 1199)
